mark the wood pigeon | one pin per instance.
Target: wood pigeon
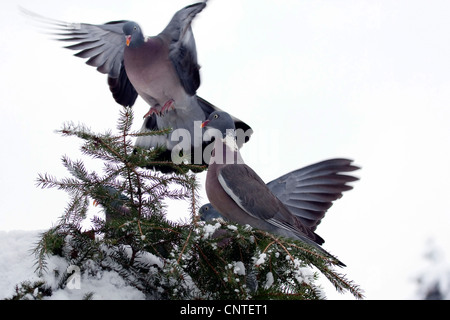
(208, 212)
(162, 69)
(308, 192)
(240, 195)
(113, 202)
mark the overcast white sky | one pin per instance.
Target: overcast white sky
(368, 80)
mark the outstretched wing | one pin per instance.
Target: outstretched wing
(310, 191)
(182, 49)
(252, 195)
(102, 44)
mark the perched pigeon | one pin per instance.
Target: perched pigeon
(240, 195)
(162, 69)
(307, 192)
(208, 213)
(114, 203)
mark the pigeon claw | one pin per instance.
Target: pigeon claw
(168, 106)
(150, 112)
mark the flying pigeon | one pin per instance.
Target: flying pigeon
(307, 192)
(240, 195)
(162, 69)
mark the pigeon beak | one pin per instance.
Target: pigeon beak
(204, 124)
(95, 203)
(128, 40)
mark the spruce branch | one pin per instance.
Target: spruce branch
(161, 258)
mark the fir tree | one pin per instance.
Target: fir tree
(163, 259)
(433, 282)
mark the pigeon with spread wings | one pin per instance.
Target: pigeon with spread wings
(163, 70)
(241, 196)
(307, 192)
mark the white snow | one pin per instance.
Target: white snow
(150, 258)
(17, 265)
(239, 268)
(269, 280)
(16, 259)
(353, 68)
(210, 229)
(105, 285)
(261, 259)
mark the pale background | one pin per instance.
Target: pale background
(367, 80)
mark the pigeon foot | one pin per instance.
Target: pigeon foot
(169, 105)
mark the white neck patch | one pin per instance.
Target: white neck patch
(230, 140)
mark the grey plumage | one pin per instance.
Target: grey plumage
(114, 203)
(162, 69)
(308, 192)
(240, 195)
(208, 212)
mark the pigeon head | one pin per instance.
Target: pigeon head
(207, 212)
(133, 34)
(221, 121)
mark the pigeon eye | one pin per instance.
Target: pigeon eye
(216, 116)
(206, 208)
(135, 28)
